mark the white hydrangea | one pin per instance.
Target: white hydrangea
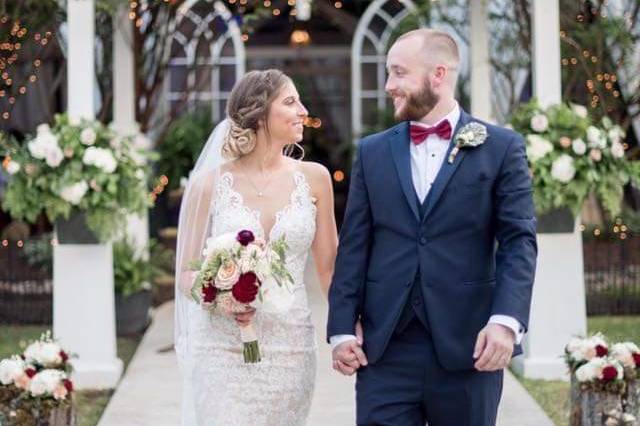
(11, 369)
(617, 150)
(596, 138)
(74, 193)
(54, 156)
(616, 134)
(101, 158)
(580, 110)
(579, 146)
(43, 128)
(44, 353)
(539, 123)
(88, 136)
(563, 169)
(537, 147)
(45, 147)
(13, 167)
(46, 382)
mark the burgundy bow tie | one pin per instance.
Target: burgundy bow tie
(419, 133)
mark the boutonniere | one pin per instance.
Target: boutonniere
(470, 136)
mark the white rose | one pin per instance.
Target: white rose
(11, 369)
(44, 353)
(574, 344)
(586, 372)
(539, 123)
(538, 147)
(617, 150)
(579, 146)
(621, 352)
(633, 348)
(46, 382)
(562, 169)
(88, 136)
(227, 276)
(13, 167)
(220, 243)
(43, 128)
(580, 110)
(74, 193)
(54, 156)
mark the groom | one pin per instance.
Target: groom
(442, 307)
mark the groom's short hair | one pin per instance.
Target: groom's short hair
(439, 44)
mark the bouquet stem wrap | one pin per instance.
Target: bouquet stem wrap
(250, 343)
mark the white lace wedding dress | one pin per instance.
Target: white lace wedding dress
(278, 390)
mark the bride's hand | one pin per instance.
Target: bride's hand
(244, 318)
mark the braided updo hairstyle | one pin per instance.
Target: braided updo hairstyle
(249, 103)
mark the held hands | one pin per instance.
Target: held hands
(348, 356)
(494, 347)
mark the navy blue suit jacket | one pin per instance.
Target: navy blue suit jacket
(483, 197)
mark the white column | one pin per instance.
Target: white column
(559, 307)
(124, 115)
(480, 65)
(546, 51)
(83, 299)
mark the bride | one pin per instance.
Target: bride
(244, 179)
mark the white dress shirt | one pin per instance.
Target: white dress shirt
(426, 161)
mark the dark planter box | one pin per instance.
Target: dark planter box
(75, 230)
(556, 221)
(132, 313)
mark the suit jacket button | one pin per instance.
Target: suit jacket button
(423, 240)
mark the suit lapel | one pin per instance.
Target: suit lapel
(402, 158)
(447, 169)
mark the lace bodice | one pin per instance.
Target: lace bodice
(296, 221)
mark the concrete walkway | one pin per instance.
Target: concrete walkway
(149, 393)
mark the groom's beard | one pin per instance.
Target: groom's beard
(417, 105)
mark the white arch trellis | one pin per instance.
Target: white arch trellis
(187, 46)
(388, 19)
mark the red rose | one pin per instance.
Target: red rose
(30, 372)
(245, 237)
(636, 359)
(64, 356)
(609, 373)
(209, 293)
(246, 289)
(68, 385)
(601, 351)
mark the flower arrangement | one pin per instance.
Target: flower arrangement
(604, 381)
(78, 166)
(571, 157)
(240, 271)
(36, 381)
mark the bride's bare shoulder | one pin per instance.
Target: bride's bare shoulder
(317, 175)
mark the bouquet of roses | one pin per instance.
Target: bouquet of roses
(238, 272)
(42, 371)
(580, 351)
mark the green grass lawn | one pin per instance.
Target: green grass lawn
(552, 395)
(89, 404)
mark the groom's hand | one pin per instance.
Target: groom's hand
(494, 347)
(348, 357)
